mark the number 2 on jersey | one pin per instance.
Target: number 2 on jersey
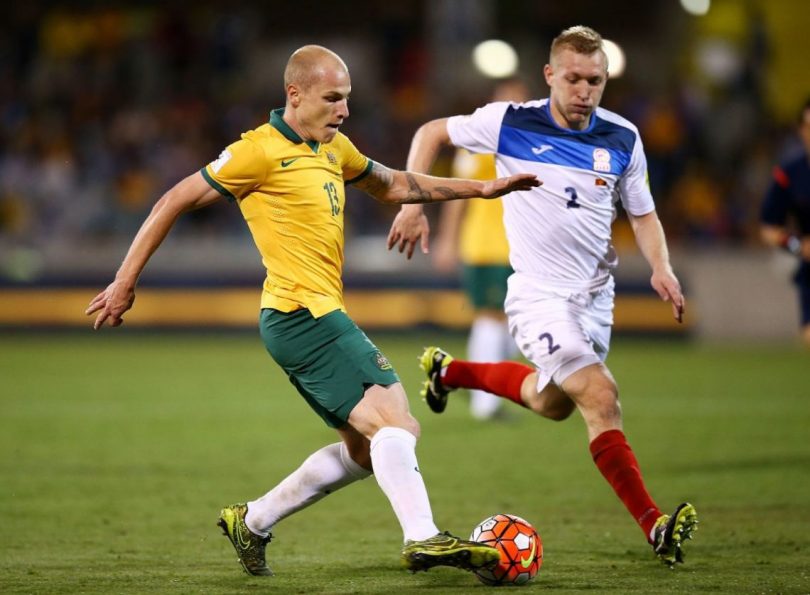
(334, 199)
(572, 193)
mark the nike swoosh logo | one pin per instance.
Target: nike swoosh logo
(244, 542)
(526, 562)
(541, 149)
(289, 161)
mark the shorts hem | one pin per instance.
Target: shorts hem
(574, 365)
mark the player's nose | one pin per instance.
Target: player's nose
(343, 109)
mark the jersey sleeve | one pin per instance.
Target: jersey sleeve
(634, 185)
(774, 210)
(238, 170)
(353, 163)
(478, 132)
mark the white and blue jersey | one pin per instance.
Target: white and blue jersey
(560, 232)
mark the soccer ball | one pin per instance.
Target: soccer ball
(520, 546)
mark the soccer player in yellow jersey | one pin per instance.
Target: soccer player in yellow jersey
(287, 177)
(472, 232)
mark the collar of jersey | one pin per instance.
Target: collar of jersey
(551, 119)
(277, 122)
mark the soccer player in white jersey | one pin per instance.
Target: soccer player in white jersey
(560, 298)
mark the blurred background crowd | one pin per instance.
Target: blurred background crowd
(105, 105)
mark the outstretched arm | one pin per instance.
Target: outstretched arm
(653, 245)
(405, 187)
(414, 187)
(190, 193)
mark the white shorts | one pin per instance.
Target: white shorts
(560, 330)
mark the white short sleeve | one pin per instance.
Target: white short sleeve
(634, 185)
(479, 131)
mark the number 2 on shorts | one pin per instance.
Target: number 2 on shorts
(551, 346)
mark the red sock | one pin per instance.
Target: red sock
(615, 459)
(503, 379)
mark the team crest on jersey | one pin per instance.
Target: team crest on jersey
(331, 157)
(601, 159)
(382, 362)
(223, 158)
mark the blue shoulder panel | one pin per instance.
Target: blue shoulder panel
(530, 134)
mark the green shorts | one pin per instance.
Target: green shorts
(485, 285)
(329, 359)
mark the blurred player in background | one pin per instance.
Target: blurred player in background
(471, 231)
(287, 177)
(560, 298)
(785, 215)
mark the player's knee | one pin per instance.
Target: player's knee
(606, 405)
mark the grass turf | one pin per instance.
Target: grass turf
(118, 449)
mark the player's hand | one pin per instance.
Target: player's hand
(410, 227)
(668, 287)
(111, 304)
(516, 183)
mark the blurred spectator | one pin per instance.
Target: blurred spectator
(102, 105)
(785, 214)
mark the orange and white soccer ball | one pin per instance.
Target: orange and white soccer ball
(520, 546)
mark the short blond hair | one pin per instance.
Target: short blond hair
(581, 39)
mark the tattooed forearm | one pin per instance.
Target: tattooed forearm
(417, 194)
(408, 187)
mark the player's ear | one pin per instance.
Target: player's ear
(293, 95)
(548, 73)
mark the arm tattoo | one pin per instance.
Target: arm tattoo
(380, 181)
(418, 195)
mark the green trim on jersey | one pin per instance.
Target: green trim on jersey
(329, 360)
(217, 186)
(277, 122)
(362, 175)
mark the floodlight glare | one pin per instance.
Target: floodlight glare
(615, 56)
(696, 7)
(495, 58)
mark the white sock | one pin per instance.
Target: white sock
(487, 344)
(324, 472)
(393, 455)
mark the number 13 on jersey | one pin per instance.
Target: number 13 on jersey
(334, 198)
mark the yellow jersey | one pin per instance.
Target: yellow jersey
(482, 235)
(291, 194)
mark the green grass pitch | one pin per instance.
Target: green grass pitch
(118, 448)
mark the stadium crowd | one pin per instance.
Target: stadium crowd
(103, 107)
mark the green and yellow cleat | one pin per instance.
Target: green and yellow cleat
(445, 549)
(670, 532)
(432, 361)
(249, 546)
